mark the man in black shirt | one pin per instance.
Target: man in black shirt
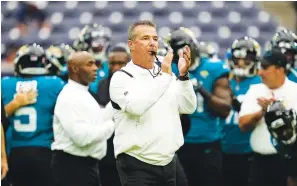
(117, 58)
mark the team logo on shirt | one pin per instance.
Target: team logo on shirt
(204, 73)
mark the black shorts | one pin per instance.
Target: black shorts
(109, 174)
(268, 170)
(72, 170)
(134, 172)
(30, 166)
(181, 178)
(291, 167)
(202, 163)
(236, 169)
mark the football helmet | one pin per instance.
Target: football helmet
(30, 60)
(163, 47)
(249, 50)
(286, 40)
(95, 39)
(281, 123)
(207, 50)
(57, 57)
(180, 38)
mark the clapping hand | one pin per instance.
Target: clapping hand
(264, 102)
(184, 61)
(167, 61)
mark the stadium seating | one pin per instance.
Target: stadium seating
(219, 22)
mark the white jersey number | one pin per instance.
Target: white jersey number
(26, 127)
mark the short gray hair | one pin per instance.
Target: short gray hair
(131, 35)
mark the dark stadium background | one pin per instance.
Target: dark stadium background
(219, 22)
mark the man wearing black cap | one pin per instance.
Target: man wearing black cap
(267, 167)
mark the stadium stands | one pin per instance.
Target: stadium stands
(218, 21)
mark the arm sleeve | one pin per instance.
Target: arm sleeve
(79, 127)
(108, 112)
(186, 97)
(221, 69)
(135, 96)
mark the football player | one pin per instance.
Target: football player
(32, 132)
(286, 41)
(181, 178)
(57, 57)
(95, 39)
(237, 154)
(201, 153)
(281, 123)
(207, 50)
(19, 100)
(118, 57)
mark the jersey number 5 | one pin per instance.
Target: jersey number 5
(26, 127)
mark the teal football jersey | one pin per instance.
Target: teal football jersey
(101, 74)
(32, 124)
(293, 76)
(233, 140)
(204, 125)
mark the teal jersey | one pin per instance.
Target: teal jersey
(102, 73)
(175, 69)
(233, 140)
(293, 75)
(32, 125)
(204, 125)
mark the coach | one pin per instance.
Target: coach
(149, 98)
(80, 133)
(267, 167)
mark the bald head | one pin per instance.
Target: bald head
(80, 58)
(82, 67)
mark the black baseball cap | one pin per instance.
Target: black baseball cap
(273, 57)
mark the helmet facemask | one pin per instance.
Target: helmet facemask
(250, 63)
(248, 50)
(288, 49)
(281, 124)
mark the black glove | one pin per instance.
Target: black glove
(236, 104)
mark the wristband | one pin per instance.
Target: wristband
(184, 77)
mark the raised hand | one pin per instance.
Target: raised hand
(264, 102)
(26, 98)
(167, 61)
(184, 61)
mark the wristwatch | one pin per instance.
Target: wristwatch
(184, 77)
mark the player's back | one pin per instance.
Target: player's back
(204, 124)
(32, 124)
(233, 140)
